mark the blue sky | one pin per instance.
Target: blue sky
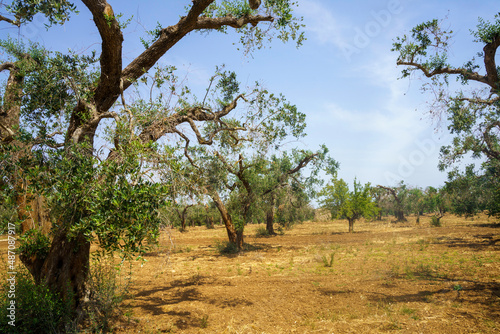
(344, 77)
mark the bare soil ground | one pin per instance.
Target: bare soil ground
(385, 277)
(317, 278)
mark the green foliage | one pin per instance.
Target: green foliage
(435, 221)
(34, 243)
(262, 232)
(56, 11)
(8, 214)
(38, 310)
(346, 204)
(52, 84)
(415, 201)
(287, 26)
(423, 47)
(328, 262)
(472, 114)
(154, 35)
(228, 86)
(486, 31)
(467, 192)
(111, 201)
(226, 248)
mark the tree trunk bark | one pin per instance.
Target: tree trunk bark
(270, 221)
(400, 216)
(210, 222)
(65, 268)
(239, 239)
(270, 216)
(226, 218)
(31, 211)
(351, 225)
(183, 223)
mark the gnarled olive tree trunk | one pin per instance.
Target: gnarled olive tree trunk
(351, 225)
(270, 215)
(234, 236)
(65, 268)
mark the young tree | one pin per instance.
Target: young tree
(472, 113)
(436, 201)
(54, 103)
(415, 202)
(346, 204)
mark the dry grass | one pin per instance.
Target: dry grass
(385, 277)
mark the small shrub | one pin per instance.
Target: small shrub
(423, 244)
(328, 262)
(262, 232)
(226, 247)
(107, 291)
(407, 311)
(204, 321)
(280, 230)
(34, 243)
(37, 309)
(436, 221)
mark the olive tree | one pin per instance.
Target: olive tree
(344, 203)
(54, 104)
(229, 161)
(399, 195)
(472, 111)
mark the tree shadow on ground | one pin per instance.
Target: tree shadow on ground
(230, 251)
(486, 295)
(154, 300)
(332, 292)
(480, 242)
(488, 225)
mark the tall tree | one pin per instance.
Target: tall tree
(472, 113)
(54, 103)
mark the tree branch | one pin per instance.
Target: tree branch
(13, 22)
(10, 134)
(492, 146)
(7, 66)
(446, 70)
(489, 62)
(224, 161)
(10, 110)
(92, 124)
(168, 124)
(108, 88)
(303, 163)
(284, 177)
(186, 152)
(169, 36)
(480, 101)
(219, 22)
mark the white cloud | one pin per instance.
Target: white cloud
(321, 22)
